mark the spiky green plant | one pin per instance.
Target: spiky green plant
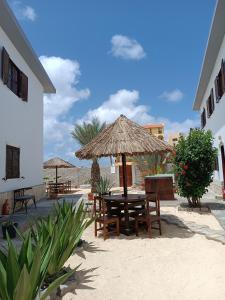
(64, 229)
(84, 133)
(103, 186)
(23, 270)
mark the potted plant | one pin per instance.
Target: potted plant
(9, 227)
(104, 186)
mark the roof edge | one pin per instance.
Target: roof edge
(15, 33)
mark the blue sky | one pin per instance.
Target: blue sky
(141, 58)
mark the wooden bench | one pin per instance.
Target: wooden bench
(20, 196)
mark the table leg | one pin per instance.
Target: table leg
(127, 230)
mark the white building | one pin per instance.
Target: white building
(210, 96)
(23, 81)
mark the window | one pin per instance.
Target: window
(220, 82)
(210, 104)
(159, 130)
(15, 79)
(12, 162)
(203, 118)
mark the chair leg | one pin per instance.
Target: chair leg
(136, 227)
(95, 228)
(160, 228)
(149, 229)
(117, 227)
(105, 231)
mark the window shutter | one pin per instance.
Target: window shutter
(16, 163)
(9, 160)
(216, 89)
(208, 107)
(5, 66)
(223, 74)
(212, 100)
(23, 86)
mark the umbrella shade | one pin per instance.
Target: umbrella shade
(123, 137)
(55, 163)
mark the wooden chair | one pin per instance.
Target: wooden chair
(148, 217)
(103, 220)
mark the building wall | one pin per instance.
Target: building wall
(174, 138)
(157, 131)
(216, 122)
(21, 125)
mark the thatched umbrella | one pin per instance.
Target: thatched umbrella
(56, 163)
(125, 138)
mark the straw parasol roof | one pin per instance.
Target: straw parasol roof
(123, 137)
(57, 162)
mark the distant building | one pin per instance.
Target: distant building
(156, 130)
(210, 95)
(174, 137)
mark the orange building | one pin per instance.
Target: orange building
(156, 130)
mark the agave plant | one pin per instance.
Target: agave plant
(22, 272)
(64, 229)
(104, 186)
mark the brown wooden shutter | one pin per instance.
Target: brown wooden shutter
(223, 75)
(216, 89)
(9, 159)
(5, 66)
(23, 86)
(16, 163)
(12, 162)
(212, 100)
(208, 107)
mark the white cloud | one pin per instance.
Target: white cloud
(126, 48)
(64, 74)
(126, 102)
(172, 96)
(23, 12)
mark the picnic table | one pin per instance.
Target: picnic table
(59, 187)
(124, 206)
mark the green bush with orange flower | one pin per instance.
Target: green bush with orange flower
(194, 162)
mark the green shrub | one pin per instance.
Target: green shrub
(194, 164)
(22, 272)
(103, 186)
(64, 230)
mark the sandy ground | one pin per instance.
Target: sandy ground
(178, 265)
(200, 219)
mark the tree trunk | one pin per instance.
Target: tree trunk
(194, 201)
(95, 175)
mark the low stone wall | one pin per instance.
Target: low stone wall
(77, 176)
(38, 191)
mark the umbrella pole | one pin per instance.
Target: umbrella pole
(124, 175)
(56, 174)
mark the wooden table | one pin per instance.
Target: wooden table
(126, 204)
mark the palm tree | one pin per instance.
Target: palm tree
(84, 133)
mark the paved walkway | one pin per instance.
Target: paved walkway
(44, 208)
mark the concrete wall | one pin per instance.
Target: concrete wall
(77, 176)
(21, 125)
(38, 191)
(216, 122)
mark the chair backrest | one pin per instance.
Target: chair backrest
(18, 193)
(153, 198)
(100, 208)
